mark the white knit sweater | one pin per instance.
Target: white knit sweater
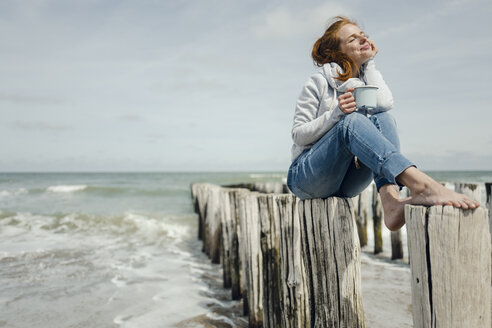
(317, 108)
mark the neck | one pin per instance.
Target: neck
(355, 71)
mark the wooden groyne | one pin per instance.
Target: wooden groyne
(294, 263)
(297, 263)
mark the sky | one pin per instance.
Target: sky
(211, 85)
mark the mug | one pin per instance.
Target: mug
(366, 97)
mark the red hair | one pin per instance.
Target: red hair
(327, 49)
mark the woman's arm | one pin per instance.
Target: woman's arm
(373, 77)
(308, 126)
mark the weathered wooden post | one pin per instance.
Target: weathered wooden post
(251, 257)
(199, 197)
(270, 249)
(377, 218)
(207, 200)
(285, 295)
(472, 190)
(229, 241)
(450, 250)
(488, 197)
(363, 214)
(488, 191)
(331, 254)
(296, 290)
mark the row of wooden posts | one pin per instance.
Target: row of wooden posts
(297, 263)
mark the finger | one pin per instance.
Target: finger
(346, 101)
(346, 95)
(350, 90)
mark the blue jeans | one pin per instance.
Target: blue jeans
(328, 168)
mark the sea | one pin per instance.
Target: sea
(121, 250)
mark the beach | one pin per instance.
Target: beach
(121, 250)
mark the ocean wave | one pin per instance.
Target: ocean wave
(141, 228)
(105, 191)
(16, 192)
(112, 191)
(266, 175)
(66, 188)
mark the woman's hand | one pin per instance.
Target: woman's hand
(373, 48)
(346, 102)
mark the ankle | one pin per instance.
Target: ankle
(415, 180)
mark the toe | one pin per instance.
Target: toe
(456, 203)
(471, 203)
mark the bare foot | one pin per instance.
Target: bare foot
(437, 194)
(393, 206)
(427, 191)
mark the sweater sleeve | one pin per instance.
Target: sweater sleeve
(308, 127)
(373, 77)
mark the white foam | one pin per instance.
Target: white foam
(66, 188)
(154, 227)
(7, 193)
(266, 175)
(222, 318)
(118, 281)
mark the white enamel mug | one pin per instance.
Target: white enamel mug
(366, 97)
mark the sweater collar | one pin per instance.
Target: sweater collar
(330, 71)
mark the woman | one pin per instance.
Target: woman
(338, 150)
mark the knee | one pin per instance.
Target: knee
(384, 117)
(354, 118)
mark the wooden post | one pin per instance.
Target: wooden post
(229, 246)
(377, 218)
(251, 257)
(199, 196)
(331, 254)
(488, 191)
(488, 197)
(363, 214)
(272, 275)
(450, 250)
(207, 201)
(296, 291)
(472, 190)
(285, 301)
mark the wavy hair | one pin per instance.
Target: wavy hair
(327, 49)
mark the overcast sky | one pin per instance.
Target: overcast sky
(204, 85)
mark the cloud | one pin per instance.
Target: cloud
(285, 23)
(131, 118)
(28, 99)
(41, 125)
(429, 18)
(157, 136)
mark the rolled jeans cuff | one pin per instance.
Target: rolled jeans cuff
(394, 165)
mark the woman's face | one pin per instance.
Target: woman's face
(354, 43)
